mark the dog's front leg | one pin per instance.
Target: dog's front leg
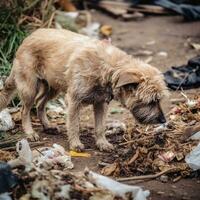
(100, 111)
(73, 125)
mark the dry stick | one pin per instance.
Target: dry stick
(51, 20)
(32, 145)
(153, 176)
(136, 140)
(134, 157)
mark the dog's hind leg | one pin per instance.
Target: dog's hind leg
(100, 111)
(44, 96)
(27, 87)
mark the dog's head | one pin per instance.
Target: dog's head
(140, 89)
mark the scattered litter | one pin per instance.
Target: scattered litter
(5, 196)
(56, 108)
(195, 136)
(164, 178)
(106, 30)
(117, 188)
(167, 156)
(132, 16)
(7, 179)
(143, 53)
(196, 46)
(67, 5)
(51, 183)
(6, 156)
(24, 155)
(79, 154)
(91, 30)
(73, 21)
(116, 110)
(161, 128)
(148, 60)
(193, 158)
(52, 157)
(6, 122)
(162, 53)
(147, 152)
(152, 42)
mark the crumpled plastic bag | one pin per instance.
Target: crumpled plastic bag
(24, 155)
(6, 122)
(117, 188)
(193, 158)
(51, 156)
(195, 136)
(5, 196)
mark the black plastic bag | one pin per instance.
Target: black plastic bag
(185, 76)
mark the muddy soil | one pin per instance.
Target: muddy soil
(157, 34)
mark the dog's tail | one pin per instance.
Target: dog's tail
(6, 93)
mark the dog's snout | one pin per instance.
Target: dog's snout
(162, 119)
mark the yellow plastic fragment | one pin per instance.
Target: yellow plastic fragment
(79, 154)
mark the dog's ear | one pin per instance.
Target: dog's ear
(128, 78)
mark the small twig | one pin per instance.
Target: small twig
(39, 151)
(177, 179)
(50, 20)
(32, 145)
(136, 140)
(153, 176)
(135, 156)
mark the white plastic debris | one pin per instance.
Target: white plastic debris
(152, 42)
(48, 157)
(189, 103)
(63, 192)
(41, 190)
(195, 136)
(117, 188)
(6, 122)
(91, 30)
(193, 158)
(5, 196)
(56, 108)
(162, 53)
(25, 155)
(53, 106)
(161, 128)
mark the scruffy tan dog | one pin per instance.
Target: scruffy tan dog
(88, 71)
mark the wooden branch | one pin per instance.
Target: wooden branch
(145, 177)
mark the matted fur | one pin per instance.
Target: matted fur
(88, 71)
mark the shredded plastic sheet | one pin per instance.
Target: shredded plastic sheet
(193, 158)
(117, 188)
(24, 155)
(48, 157)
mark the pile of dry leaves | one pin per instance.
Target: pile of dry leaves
(152, 150)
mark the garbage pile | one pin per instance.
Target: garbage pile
(154, 150)
(46, 175)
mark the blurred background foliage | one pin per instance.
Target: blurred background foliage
(17, 19)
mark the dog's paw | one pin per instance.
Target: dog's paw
(52, 130)
(33, 137)
(76, 146)
(104, 145)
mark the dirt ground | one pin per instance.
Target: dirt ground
(172, 36)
